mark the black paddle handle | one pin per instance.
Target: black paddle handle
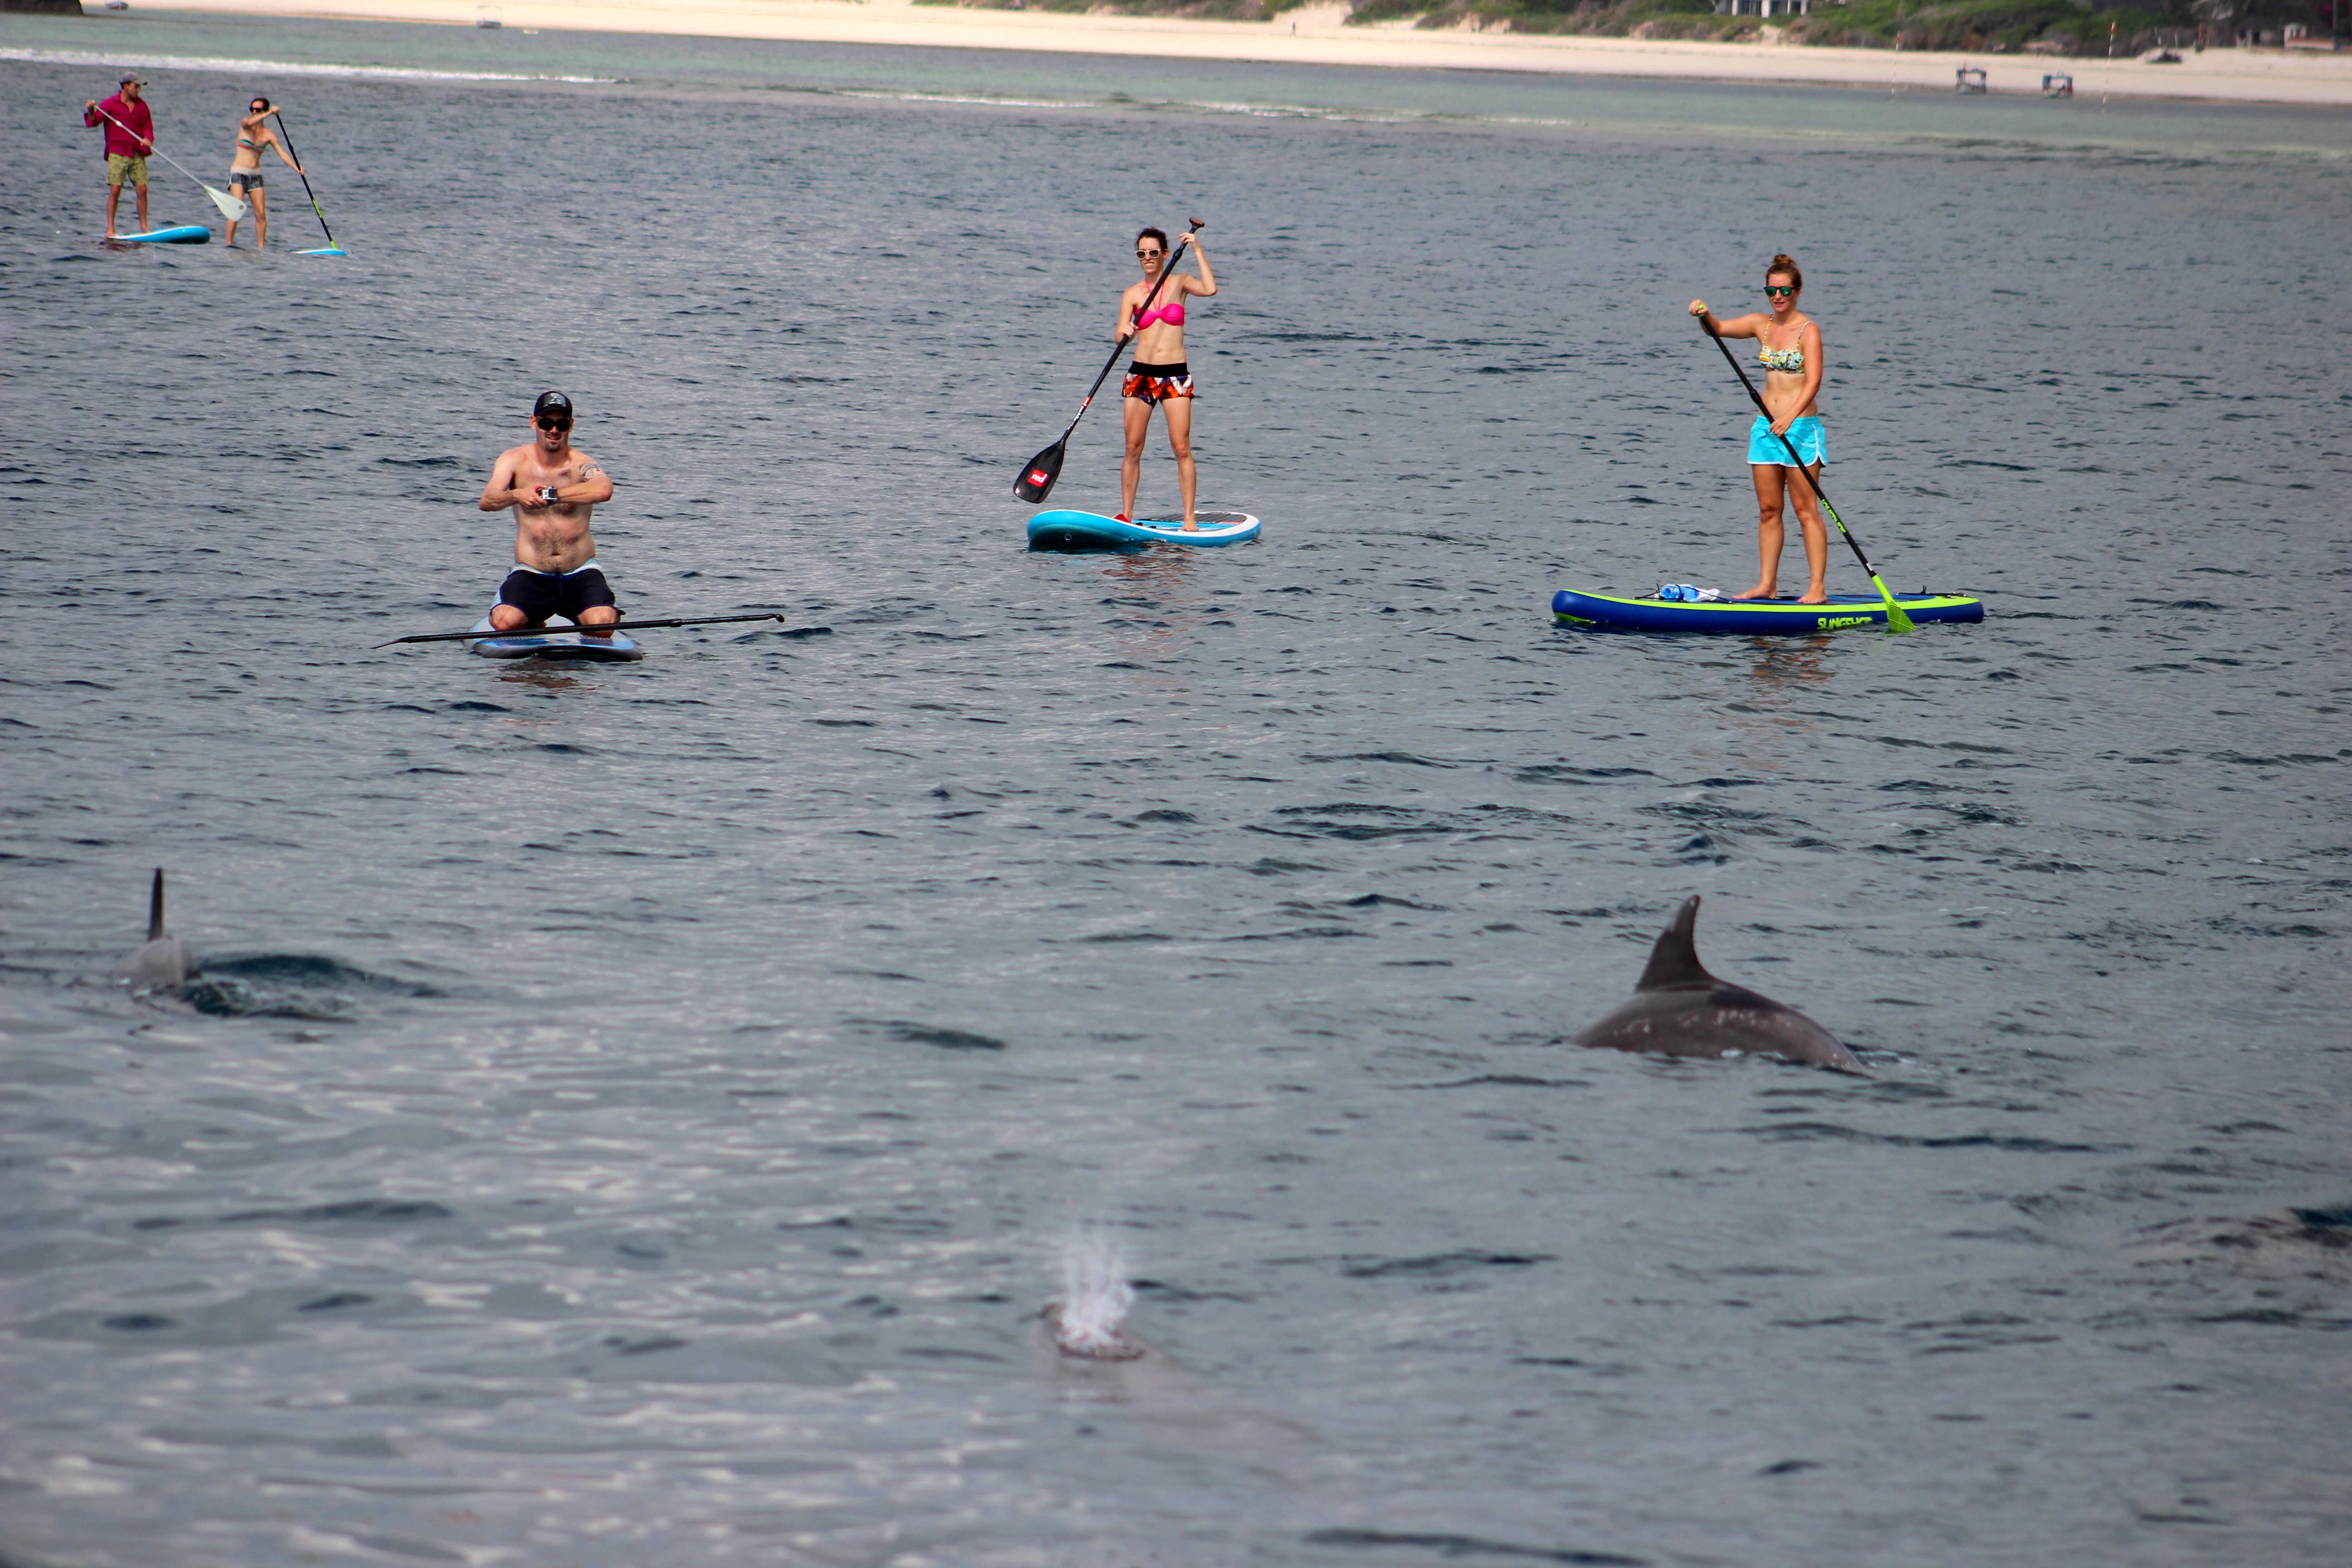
(300, 174)
(1706, 325)
(1119, 347)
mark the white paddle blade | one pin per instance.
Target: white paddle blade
(231, 207)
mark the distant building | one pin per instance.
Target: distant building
(1763, 7)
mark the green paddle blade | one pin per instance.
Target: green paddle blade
(1896, 621)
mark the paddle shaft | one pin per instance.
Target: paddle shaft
(305, 178)
(152, 147)
(1121, 347)
(542, 631)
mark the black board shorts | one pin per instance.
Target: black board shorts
(538, 595)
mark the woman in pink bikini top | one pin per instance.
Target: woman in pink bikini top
(1159, 377)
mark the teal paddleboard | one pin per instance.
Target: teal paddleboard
(186, 234)
(1092, 531)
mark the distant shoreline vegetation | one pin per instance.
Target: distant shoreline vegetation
(2062, 27)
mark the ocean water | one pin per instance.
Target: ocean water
(637, 1114)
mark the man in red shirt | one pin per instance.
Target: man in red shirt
(129, 137)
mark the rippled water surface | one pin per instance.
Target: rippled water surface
(635, 1114)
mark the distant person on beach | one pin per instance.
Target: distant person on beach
(253, 133)
(552, 490)
(1159, 377)
(129, 137)
(1790, 345)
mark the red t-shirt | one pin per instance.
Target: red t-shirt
(135, 142)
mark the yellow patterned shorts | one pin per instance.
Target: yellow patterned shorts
(122, 166)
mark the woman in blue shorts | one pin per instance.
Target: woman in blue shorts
(1791, 347)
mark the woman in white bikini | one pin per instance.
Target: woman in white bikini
(1159, 377)
(253, 133)
(1790, 345)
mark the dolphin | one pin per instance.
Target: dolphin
(165, 962)
(1680, 1010)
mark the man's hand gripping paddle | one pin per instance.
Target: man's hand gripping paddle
(1036, 481)
(1896, 621)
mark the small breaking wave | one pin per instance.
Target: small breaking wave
(289, 985)
(286, 67)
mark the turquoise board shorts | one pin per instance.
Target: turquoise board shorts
(1804, 434)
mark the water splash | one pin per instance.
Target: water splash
(1095, 1300)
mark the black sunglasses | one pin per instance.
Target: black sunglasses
(553, 422)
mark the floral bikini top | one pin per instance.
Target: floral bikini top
(1790, 360)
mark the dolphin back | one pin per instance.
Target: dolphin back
(1678, 1009)
(164, 963)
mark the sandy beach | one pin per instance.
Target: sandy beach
(1318, 36)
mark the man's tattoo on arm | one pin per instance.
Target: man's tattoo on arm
(591, 471)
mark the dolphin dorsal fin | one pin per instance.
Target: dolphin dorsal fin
(1673, 962)
(155, 908)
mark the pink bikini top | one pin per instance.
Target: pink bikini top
(1174, 314)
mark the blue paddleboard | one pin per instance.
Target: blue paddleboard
(1624, 612)
(1092, 531)
(555, 640)
(186, 234)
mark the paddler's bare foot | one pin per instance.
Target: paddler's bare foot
(1815, 597)
(1761, 591)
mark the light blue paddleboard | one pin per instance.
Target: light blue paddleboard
(553, 641)
(325, 250)
(1092, 531)
(186, 234)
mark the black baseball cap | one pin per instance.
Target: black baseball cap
(552, 403)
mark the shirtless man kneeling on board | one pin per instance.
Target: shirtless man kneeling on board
(552, 490)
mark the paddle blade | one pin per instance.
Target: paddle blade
(231, 207)
(1897, 620)
(1036, 481)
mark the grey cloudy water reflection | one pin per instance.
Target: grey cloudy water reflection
(633, 1114)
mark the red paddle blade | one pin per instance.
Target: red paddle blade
(1036, 481)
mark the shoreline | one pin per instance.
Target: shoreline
(1316, 35)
